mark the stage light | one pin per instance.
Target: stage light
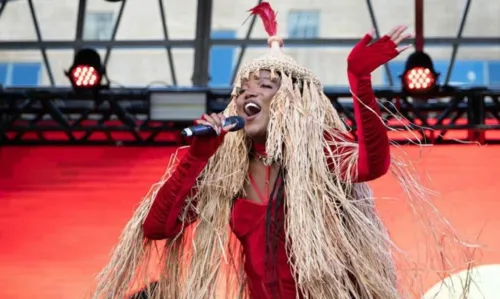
(419, 76)
(87, 71)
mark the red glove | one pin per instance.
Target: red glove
(365, 57)
(204, 147)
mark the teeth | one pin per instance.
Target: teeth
(252, 109)
(252, 105)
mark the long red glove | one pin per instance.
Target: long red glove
(163, 218)
(374, 152)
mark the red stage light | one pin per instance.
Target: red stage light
(419, 76)
(87, 71)
(419, 79)
(85, 76)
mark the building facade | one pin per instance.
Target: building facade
(141, 20)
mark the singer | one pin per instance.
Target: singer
(279, 209)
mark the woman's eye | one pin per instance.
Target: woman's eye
(266, 86)
(242, 91)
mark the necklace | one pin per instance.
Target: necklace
(265, 160)
(260, 158)
(259, 152)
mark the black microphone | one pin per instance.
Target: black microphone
(205, 130)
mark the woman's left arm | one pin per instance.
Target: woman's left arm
(373, 154)
(373, 158)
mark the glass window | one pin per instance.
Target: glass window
(98, 26)
(303, 24)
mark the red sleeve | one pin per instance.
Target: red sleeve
(373, 143)
(163, 218)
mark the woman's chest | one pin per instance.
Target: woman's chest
(262, 182)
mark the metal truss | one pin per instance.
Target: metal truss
(122, 116)
(61, 116)
(203, 42)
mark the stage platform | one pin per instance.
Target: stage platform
(62, 208)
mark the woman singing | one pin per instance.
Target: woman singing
(285, 195)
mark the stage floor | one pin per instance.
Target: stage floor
(62, 208)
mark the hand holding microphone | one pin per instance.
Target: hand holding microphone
(209, 131)
(214, 124)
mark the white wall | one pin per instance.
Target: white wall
(141, 20)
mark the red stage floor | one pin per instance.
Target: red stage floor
(62, 208)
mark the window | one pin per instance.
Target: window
(98, 26)
(23, 74)
(3, 73)
(303, 24)
(221, 60)
(494, 73)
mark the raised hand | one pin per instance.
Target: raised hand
(367, 55)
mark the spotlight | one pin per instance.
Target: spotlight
(419, 76)
(87, 71)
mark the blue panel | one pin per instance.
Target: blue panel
(3, 73)
(465, 72)
(25, 74)
(221, 60)
(494, 73)
(396, 68)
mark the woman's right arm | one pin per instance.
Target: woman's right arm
(163, 217)
(163, 220)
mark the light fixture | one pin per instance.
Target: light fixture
(419, 76)
(87, 71)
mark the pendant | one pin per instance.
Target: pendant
(263, 159)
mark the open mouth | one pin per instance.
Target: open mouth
(252, 109)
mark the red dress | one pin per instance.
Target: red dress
(248, 219)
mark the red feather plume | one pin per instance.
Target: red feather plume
(268, 16)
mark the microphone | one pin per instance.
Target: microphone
(205, 130)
